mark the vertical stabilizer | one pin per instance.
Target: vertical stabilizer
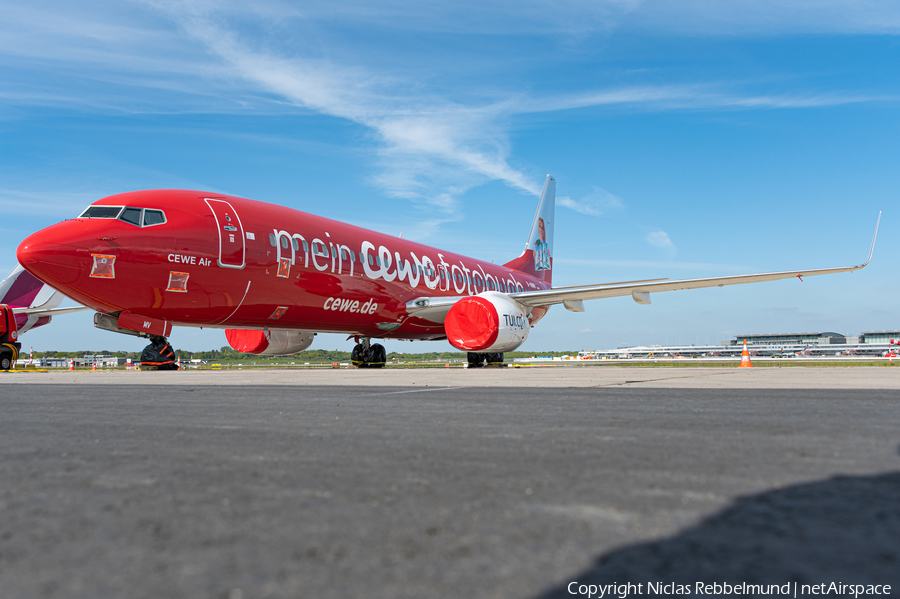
(537, 259)
(21, 289)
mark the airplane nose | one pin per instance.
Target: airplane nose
(52, 262)
(38, 248)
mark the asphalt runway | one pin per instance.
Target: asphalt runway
(192, 488)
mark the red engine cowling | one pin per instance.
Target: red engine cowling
(490, 322)
(269, 343)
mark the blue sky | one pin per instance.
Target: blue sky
(688, 139)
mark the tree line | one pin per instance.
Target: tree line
(313, 356)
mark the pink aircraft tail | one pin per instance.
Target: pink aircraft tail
(21, 289)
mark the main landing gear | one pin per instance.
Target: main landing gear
(480, 360)
(367, 355)
(159, 355)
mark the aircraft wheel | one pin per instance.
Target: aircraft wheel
(358, 356)
(475, 360)
(494, 358)
(377, 356)
(5, 361)
(159, 355)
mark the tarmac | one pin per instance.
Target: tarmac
(445, 483)
(793, 377)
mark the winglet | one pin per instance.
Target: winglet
(874, 237)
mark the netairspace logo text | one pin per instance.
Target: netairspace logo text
(621, 591)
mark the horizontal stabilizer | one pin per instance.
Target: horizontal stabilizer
(49, 311)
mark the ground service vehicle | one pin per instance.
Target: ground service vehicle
(9, 335)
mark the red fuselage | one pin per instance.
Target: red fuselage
(202, 259)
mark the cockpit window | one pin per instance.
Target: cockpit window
(101, 212)
(153, 217)
(139, 217)
(131, 215)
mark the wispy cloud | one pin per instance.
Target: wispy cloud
(658, 264)
(596, 203)
(697, 96)
(424, 146)
(661, 240)
(430, 142)
(65, 204)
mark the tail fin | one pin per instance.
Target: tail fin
(537, 259)
(20, 289)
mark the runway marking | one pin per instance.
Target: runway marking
(422, 390)
(668, 378)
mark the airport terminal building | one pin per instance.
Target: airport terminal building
(826, 343)
(824, 338)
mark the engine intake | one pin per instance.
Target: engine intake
(275, 342)
(490, 322)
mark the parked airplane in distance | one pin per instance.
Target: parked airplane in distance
(273, 277)
(25, 303)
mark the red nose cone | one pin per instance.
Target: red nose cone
(55, 263)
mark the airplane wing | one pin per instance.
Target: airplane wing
(434, 309)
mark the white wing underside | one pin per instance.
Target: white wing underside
(435, 308)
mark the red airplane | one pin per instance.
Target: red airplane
(273, 277)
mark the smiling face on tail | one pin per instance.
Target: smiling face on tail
(537, 259)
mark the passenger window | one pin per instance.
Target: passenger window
(295, 244)
(153, 217)
(284, 242)
(371, 259)
(131, 215)
(272, 239)
(305, 246)
(101, 212)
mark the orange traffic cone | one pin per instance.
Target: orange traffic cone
(95, 366)
(745, 357)
(71, 364)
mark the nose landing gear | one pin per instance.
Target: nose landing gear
(366, 355)
(159, 355)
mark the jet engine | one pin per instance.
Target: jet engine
(490, 322)
(273, 342)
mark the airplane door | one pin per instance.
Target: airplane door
(231, 234)
(444, 275)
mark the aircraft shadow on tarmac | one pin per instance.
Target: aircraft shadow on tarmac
(844, 529)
